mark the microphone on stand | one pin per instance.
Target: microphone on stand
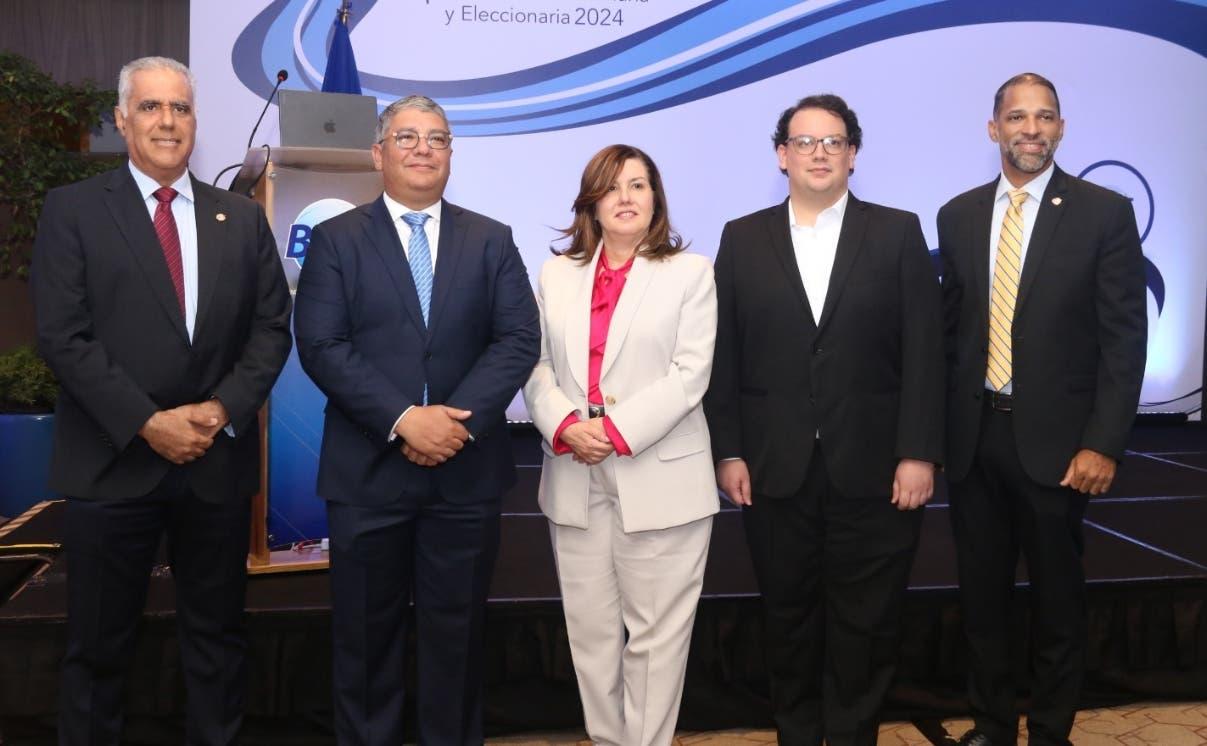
(282, 76)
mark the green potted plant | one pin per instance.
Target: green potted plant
(44, 127)
(27, 394)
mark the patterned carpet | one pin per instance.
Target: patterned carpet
(1166, 724)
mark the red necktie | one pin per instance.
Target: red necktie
(169, 240)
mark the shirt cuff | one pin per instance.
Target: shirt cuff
(622, 448)
(394, 430)
(560, 448)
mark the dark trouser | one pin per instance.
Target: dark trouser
(996, 510)
(111, 546)
(832, 570)
(441, 554)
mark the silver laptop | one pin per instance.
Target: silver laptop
(326, 120)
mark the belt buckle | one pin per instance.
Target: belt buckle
(1001, 402)
(595, 410)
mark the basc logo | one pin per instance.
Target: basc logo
(310, 216)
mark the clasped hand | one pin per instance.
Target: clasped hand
(588, 441)
(432, 434)
(185, 433)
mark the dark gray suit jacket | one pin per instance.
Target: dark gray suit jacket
(1079, 332)
(110, 326)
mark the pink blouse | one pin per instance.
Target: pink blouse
(605, 294)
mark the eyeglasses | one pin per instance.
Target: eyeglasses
(806, 144)
(408, 139)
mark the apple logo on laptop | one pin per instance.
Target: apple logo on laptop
(329, 126)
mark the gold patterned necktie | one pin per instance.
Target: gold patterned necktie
(1007, 269)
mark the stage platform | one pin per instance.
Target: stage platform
(1146, 562)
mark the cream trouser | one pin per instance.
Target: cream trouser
(647, 582)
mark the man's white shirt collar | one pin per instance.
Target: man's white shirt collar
(833, 213)
(147, 186)
(1035, 188)
(397, 209)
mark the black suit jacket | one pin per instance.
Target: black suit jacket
(110, 327)
(868, 378)
(1080, 325)
(361, 337)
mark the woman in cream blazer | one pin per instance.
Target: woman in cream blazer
(627, 480)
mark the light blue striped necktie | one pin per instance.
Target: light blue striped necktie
(419, 254)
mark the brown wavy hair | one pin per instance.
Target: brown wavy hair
(599, 175)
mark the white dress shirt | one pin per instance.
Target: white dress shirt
(185, 215)
(432, 229)
(815, 246)
(1001, 200)
(186, 227)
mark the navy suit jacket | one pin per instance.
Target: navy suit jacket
(361, 337)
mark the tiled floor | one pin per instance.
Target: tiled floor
(1134, 725)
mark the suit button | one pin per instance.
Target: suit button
(428, 356)
(977, 395)
(610, 401)
(818, 351)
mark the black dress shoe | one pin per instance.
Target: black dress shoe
(975, 738)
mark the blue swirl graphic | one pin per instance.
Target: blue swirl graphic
(1152, 275)
(716, 46)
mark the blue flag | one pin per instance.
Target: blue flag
(341, 75)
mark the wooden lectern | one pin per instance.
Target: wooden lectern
(288, 183)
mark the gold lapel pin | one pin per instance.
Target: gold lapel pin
(1056, 201)
(220, 217)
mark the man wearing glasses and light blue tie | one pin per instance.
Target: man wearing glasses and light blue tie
(416, 318)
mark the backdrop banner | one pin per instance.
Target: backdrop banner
(534, 88)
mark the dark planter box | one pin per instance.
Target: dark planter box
(25, 442)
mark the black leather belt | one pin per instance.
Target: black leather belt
(999, 402)
(595, 410)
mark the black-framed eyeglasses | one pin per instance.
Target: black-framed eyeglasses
(806, 144)
(407, 139)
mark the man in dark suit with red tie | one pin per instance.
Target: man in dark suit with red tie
(416, 318)
(826, 415)
(163, 310)
(1043, 290)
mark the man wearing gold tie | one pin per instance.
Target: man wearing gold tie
(1044, 298)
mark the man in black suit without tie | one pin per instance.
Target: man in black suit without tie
(1043, 292)
(826, 414)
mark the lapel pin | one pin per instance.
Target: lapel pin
(221, 217)
(1056, 201)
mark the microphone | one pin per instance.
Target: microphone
(282, 76)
